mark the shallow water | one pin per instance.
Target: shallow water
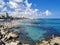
(39, 29)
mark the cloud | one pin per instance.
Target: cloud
(4, 9)
(47, 13)
(18, 1)
(21, 8)
(28, 4)
(2, 3)
(12, 4)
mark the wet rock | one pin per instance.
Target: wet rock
(2, 43)
(56, 44)
(54, 41)
(1, 36)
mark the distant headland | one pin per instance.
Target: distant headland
(11, 17)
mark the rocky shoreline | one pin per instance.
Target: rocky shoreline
(53, 41)
(8, 37)
(12, 37)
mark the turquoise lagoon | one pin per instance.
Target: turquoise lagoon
(39, 29)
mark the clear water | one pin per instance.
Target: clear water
(39, 29)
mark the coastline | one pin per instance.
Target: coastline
(53, 41)
(12, 37)
(24, 40)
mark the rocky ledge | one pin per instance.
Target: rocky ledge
(53, 41)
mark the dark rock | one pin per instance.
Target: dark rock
(2, 43)
(56, 44)
(1, 36)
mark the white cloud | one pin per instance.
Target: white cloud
(12, 4)
(2, 3)
(28, 4)
(4, 9)
(21, 9)
(47, 13)
(17, 1)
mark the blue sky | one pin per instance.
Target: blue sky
(47, 4)
(52, 5)
(41, 8)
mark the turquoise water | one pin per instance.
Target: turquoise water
(40, 29)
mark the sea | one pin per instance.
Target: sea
(39, 29)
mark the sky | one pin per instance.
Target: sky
(31, 8)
